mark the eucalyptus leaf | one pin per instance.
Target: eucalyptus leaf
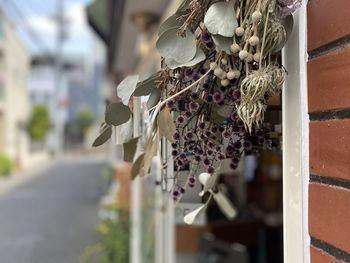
(170, 22)
(166, 124)
(130, 149)
(146, 86)
(180, 49)
(137, 165)
(126, 88)
(225, 205)
(210, 183)
(287, 23)
(126, 131)
(150, 152)
(117, 113)
(221, 19)
(199, 57)
(223, 42)
(103, 137)
(184, 6)
(190, 217)
(154, 98)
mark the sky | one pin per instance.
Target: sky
(35, 23)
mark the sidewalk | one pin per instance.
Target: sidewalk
(19, 177)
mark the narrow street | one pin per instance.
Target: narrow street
(52, 217)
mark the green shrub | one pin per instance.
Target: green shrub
(115, 234)
(39, 123)
(6, 165)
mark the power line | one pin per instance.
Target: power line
(33, 35)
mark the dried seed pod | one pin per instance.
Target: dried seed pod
(224, 61)
(254, 41)
(235, 48)
(239, 31)
(249, 58)
(225, 82)
(256, 16)
(257, 57)
(218, 72)
(231, 75)
(243, 54)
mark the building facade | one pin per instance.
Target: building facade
(14, 104)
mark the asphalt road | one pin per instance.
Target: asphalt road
(51, 218)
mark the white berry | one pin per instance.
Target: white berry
(256, 16)
(243, 54)
(239, 31)
(235, 48)
(218, 72)
(225, 82)
(253, 41)
(231, 74)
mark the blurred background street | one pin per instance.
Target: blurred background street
(51, 217)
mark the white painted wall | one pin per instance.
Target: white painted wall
(15, 65)
(296, 145)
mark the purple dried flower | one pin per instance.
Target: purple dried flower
(188, 114)
(210, 45)
(188, 72)
(194, 106)
(170, 104)
(206, 161)
(206, 36)
(210, 169)
(201, 125)
(226, 134)
(176, 136)
(288, 7)
(196, 76)
(192, 180)
(209, 98)
(218, 97)
(182, 190)
(180, 119)
(206, 86)
(195, 95)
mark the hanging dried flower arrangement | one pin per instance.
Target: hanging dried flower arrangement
(219, 67)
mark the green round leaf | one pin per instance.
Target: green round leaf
(136, 167)
(223, 42)
(126, 88)
(166, 124)
(172, 46)
(199, 57)
(117, 113)
(221, 19)
(129, 149)
(169, 23)
(103, 137)
(154, 98)
(146, 86)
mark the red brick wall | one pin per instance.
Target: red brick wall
(329, 109)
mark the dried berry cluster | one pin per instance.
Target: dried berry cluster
(219, 67)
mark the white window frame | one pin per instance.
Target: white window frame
(296, 144)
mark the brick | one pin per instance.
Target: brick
(327, 21)
(329, 81)
(319, 256)
(330, 148)
(329, 215)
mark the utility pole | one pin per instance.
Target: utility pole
(58, 71)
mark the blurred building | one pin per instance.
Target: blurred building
(14, 103)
